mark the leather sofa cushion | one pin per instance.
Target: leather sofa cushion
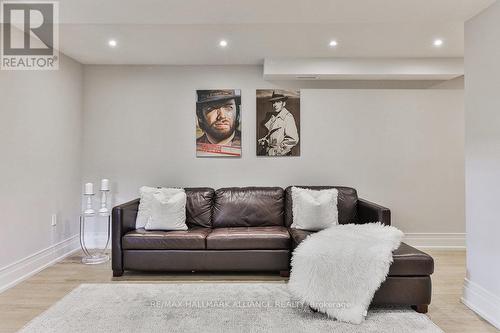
(347, 203)
(140, 239)
(199, 206)
(248, 207)
(249, 238)
(407, 260)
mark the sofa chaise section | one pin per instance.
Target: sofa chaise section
(408, 281)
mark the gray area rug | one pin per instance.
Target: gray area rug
(205, 307)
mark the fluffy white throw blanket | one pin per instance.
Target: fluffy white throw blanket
(338, 270)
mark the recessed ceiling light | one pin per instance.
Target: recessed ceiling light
(223, 43)
(438, 42)
(112, 43)
(333, 43)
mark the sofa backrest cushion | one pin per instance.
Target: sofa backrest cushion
(347, 203)
(199, 206)
(248, 207)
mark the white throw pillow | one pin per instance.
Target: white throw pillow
(146, 201)
(168, 212)
(314, 210)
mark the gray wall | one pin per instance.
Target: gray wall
(482, 156)
(400, 148)
(40, 168)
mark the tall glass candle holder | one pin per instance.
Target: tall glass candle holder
(104, 211)
(89, 211)
(89, 193)
(95, 255)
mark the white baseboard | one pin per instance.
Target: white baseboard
(482, 302)
(21, 270)
(451, 241)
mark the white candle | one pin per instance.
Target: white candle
(105, 185)
(89, 188)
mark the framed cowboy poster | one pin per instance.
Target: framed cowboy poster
(278, 122)
(218, 127)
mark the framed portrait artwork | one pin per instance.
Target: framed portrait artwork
(218, 126)
(278, 122)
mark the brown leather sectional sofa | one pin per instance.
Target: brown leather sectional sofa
(248, 229)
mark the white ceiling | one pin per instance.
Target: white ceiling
(187, 32)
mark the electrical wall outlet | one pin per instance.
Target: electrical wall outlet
(54, 220)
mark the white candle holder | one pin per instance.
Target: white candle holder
(104, 211)
(89, 211)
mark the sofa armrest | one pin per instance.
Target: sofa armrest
(371, 212)
(123, 221)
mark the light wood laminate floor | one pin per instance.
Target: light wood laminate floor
(30, 298)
